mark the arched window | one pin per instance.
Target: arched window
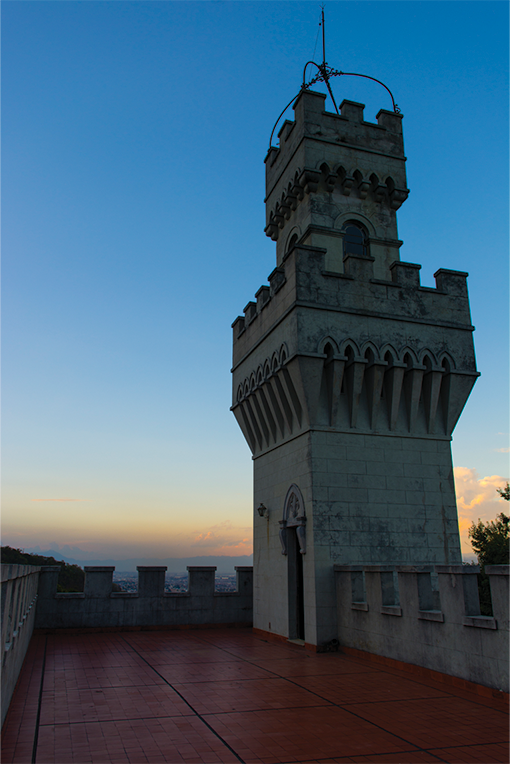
(355, 239)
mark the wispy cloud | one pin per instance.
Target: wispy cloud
(502, 450)
(63, 499)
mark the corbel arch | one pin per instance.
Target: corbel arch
(389, 350)
(408, 353)
(349, 344)
(369, 346)
(374, 179)
(293, 237)
(283, 353)
(426, 354)
(327, 341)
(328, 176)
(446, 361)
(323, 167)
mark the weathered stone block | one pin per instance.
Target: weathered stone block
(98, 581)
(151, 581)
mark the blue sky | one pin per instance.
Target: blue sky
(134, 135)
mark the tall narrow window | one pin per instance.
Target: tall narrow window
(355, 240)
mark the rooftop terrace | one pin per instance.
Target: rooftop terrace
(225, 695)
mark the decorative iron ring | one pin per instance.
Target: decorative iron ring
(324, 73)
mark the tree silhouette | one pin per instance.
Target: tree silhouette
(490, 542)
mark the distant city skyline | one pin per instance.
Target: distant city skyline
(134, 136)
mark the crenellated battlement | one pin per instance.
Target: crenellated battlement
(99, 607)
(306, 278)
(349, 128)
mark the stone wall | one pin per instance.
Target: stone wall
(19, 595)
(384, 500)
(98, 607)
(275, 472)
(428, 616)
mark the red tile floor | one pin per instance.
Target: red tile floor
(226, 695)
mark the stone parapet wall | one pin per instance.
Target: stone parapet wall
(19, 596)
(99, 607)
(304, 278)
(428, 616)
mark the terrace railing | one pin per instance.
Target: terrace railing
(19, 597)
(428, 616)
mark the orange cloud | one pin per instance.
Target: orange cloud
(224, 538)
(477, 498)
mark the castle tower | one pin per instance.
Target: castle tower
(348, 376)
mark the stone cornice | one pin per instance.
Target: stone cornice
(321, 139)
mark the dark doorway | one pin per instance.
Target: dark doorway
(296, 588)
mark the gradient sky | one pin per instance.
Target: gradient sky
(134, 135)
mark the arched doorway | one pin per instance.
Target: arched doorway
(293, 538)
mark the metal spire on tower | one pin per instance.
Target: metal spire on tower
(324, 75)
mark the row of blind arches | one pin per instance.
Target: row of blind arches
(349, 351)
(264, 371)
(372, 181)
(328, 179)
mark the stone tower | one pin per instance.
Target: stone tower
(348, 376)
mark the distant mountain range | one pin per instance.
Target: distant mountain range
(223, 564)
(79, 557)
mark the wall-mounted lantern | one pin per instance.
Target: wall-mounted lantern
(263, 511)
